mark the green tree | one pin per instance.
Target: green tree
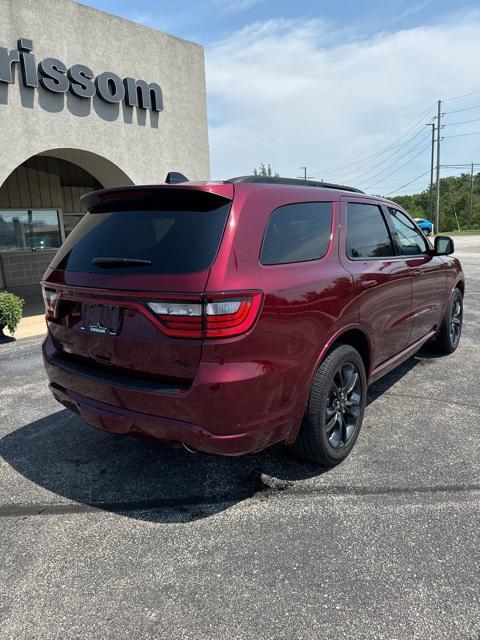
(454, 203)
(265, 170)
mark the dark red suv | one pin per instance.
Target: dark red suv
(228, 316)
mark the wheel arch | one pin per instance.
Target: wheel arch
(460, 285)
(357, 339)
(355, 336)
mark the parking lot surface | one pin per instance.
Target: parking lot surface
(110, 537)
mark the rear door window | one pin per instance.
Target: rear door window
(297, 233)
(170, 240)
(367, 232)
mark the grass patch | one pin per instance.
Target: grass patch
(466, 232)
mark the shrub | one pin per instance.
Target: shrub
(11, 307)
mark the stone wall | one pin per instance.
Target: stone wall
(23, 267)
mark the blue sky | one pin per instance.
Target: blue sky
(212, 20)
(345, 87)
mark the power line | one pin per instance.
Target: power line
(363, 173)
(460, 110)
(407, 183)
(369, 159)
(376, 155)
(461, 135)
(458, 166)
(379, 173)
(454, 124)
(465, 95)
(397, 137)
(365, 155)
(445, 166)
(399, 168)
(351, 167)
(394, 153)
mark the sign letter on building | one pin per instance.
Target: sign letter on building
(53, 75)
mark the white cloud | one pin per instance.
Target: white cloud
(234, 6)
(296, 92)
(410, 11)
(155, 21)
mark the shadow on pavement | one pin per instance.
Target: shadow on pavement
(140, 478)
(421, 358)
(145, 480)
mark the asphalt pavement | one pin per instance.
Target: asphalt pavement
(113, 538)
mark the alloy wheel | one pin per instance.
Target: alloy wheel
(456, 321)
(342, 412)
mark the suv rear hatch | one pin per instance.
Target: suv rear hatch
(138, 256)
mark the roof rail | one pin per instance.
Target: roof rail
(292, 181)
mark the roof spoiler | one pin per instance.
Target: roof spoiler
(135, 196)
(174, 177)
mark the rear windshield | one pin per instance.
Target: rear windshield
(169, 241)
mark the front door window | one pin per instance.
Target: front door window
(409, 239)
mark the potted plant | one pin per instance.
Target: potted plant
(11, 307)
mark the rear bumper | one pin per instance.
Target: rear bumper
(125, 422)
(220, 413)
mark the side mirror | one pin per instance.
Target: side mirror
(443, 246)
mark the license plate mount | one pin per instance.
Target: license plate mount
(101, 319)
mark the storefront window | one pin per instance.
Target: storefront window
(29, 229)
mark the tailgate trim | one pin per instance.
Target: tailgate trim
(115, 379)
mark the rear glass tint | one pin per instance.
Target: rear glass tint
(297, 233)
(174, 240)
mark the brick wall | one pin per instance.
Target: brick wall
(27, 267)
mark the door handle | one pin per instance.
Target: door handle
(368, 284)
(417, 272)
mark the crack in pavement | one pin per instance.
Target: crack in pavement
(412, 396)
(264, 491)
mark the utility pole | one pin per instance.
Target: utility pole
(437, 193)
(471, 194)
(430, 195)
(304, 177)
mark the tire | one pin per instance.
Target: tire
(448, 336)
(317, 440)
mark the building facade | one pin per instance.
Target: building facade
(87, 100)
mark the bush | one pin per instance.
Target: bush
(11, 307)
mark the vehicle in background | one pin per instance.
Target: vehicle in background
(229, 316)
(425, 225)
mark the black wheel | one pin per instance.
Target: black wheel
(335, 408)
(450, 330)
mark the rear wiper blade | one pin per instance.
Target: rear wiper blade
(120, 262)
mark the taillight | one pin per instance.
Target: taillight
(179, 318)
(232, 316)
(214, 316)
(50, 299)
